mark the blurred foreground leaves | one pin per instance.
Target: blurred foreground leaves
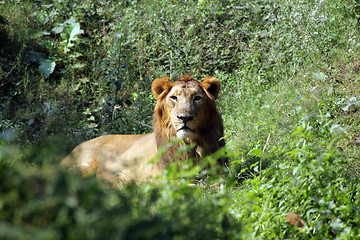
(38, 200)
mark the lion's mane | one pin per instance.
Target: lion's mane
(209, 137)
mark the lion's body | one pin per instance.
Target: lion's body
(115, 158)
(185, 109)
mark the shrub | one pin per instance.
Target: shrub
(308, 178)
(41, 201)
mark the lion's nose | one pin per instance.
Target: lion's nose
(186, 119)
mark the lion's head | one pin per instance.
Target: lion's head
(186, 109)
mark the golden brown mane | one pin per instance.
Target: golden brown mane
(211, 131)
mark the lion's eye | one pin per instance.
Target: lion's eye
(197, 98)
(174, 98)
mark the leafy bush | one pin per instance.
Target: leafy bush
(309, 178)
(43, 202)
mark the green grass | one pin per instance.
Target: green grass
(289, 72)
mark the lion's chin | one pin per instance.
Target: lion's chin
(185, 133)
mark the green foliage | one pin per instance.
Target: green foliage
(46, 66)
(309, 177)
(40, 201)
(69, 35)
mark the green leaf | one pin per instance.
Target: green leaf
(34, 33)
(71, 32)
(75, 87)
(78, 65)
(46, 67)
(337, 224)
(295, 170)
(256, 151)
(295, 152)
(35, 57)
(70, 21)
(338, 130)
(69, 35)
(58, 29)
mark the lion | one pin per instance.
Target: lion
(185, 109)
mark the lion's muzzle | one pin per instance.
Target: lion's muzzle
(185, 119)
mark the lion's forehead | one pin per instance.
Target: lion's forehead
(187, 89)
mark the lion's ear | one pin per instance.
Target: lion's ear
(159, 85)
(211, 85)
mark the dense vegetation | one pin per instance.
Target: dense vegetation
(290, 99)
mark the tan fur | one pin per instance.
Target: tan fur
(185, 109)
